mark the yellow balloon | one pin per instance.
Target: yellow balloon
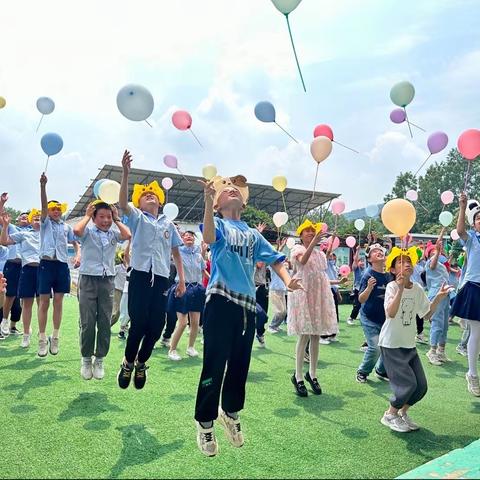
(321, 148)
(109, 191)
(279, 183)
(209, 171)
(3, 102)
(398, 216)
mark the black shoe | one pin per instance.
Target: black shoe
(15, 331)
(121, 335)
(316, 388)
(140, 376)
(2, 337)
(361, 377)
(382, 376)
(124, 376)
(300, 388)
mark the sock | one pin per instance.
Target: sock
(55, 333)
(232, 415)
(433, 349)
(206, 424)
(129, 365)
(42, 336)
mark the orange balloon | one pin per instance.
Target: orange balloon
(398, 216)
(320, 148)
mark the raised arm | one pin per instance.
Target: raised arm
(43, 195)
(356, 258)
(290, 283)
(79, 228)
(5, 239)
(303, 259)
(209, 235)
(126, 165)
(125, 233)
(461, 230)
(438, 250)
(3, 201)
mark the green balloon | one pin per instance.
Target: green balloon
(402, 93)
(461, 261)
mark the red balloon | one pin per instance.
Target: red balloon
(469, 144)
(182, 120)
(323, 131)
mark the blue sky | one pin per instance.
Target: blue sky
(217, 59)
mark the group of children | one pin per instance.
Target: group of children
(140, 289)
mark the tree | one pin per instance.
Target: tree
(253, 216)
(404, 182)
(13, 213)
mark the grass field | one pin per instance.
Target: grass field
(56, 425)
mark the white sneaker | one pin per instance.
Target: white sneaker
(334, 339)
(232, 428)
(461, 350)
(165, 342)
(26, 340)
(273, 331)
(350, 321)
(473, 385)
(173, 355)
(5, 327)
(206, 441)
(191, 352)
(420, 338)
(261, 341)
(394, 422)
(409, 422)
(53, 341)
(433, 358)
(324, 341)
(98, 370)
(442, 357)
(42, 348)
(86, 369)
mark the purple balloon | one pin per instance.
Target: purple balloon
(398, 115)
(170, 161)
(437, 141)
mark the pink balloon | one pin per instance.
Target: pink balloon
(398, 115)
(454, 234)
(350, 241)
(182, 120)
(468, 144)
(167, 183)
(338, 206)
(447, 197)
(324, 228)
(170, 161)
(344, 270)
(323, 131)
(336, 242)
(412, 195)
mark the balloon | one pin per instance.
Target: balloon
(97, 186)
(51, 143)
(447, 197)
(286, 6)
(398, 115)
(350, 241)
(3, 102)
(445, 218)
(402, 93)
(324, 228)
(335, 244)
(398, 216)
(372, 211)
(45, 105)
(167, 183)
(412, 195)
(344, 270)
(280, 219)
(359, 224)
(290, 242)
(338, 206)
(109, 191)
(320, 148)
(182, 120)
(170, 161)
(209, 171)
(135, 102)
(437, 141)
(469, 144)
(323, 130)
(265, 112)
(454, 234)
(170, 210)
(279, 183)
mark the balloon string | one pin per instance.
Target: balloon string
(193, 206)
(295, 53)
(421, 166)
(425, 208)
(149, 124)
(467, 175)
(344, 146)
(315, 182)
(408, 122)
(195, 137)
(188, 181)
(46, 165)
(284, 204)
(167, 197)
(416, 126)
(279, 126)
(370, 227)
(38, 126)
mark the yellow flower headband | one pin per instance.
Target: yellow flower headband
(33, 213)
(62, 206)
(238, 182)
(397, 252)
(153, 187)
(308, 224)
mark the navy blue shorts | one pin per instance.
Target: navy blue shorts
(53, 275)
(11, 272)
(28, 284)
(192, 301)
(467, 302)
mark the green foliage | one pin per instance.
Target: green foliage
(14, 213)
(253, 216)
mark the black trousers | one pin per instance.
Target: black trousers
(228, 332)
(335, 299)
(15, 312)
(170, 325)
(146, 309)
(261, 295)
(356, 305)
(419, 325)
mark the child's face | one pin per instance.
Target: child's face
(103, 219)
(36, 222)
(307, 235)
(403, 266)
(55, 213)
(188, 239)
(377, 255)
(361, 263)
(230, 198)
(22, 220)
(148, 199)
(476, 222)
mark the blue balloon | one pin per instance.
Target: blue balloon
(265, 112)
(96, 187)
(51, 143)
(372, 211)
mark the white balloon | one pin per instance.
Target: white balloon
(454, 234)
(286, 6)
(135, 102)
(109, 191)
(170, 210)
(45, 105)
(280, 219)
(290, 242)
(359, 224)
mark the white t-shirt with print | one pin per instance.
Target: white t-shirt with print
(399, 332)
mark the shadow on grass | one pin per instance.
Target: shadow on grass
(451, 369)
(40, 379)
(88, 405)
(182, 397)
(140, 447)
(97, 425)
(23, 409)
(286, 412)
(32, 363)
(318, 405)
(355, 433)
(187, 362)
(475, 407)
(259, 377)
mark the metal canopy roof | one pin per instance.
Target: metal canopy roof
(187, 194)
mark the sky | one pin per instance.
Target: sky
(217, 59)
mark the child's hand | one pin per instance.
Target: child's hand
(90, 210)
(5, 219)
(444, 290)
(126, 161)
(3, 283)
(4, 197)
(208, 190)
(343, 280)
(371, 283)
(439, 245)
(400, 281)
(462, 200)
(77, 261)
(180, 289)
(295, 284)
(115, 215)
(43, 179)
(261, 227)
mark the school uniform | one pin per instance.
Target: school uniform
(357, 279)
(120, 278)
(439, 322)
(13, 266)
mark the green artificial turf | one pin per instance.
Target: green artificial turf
(56, 425)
